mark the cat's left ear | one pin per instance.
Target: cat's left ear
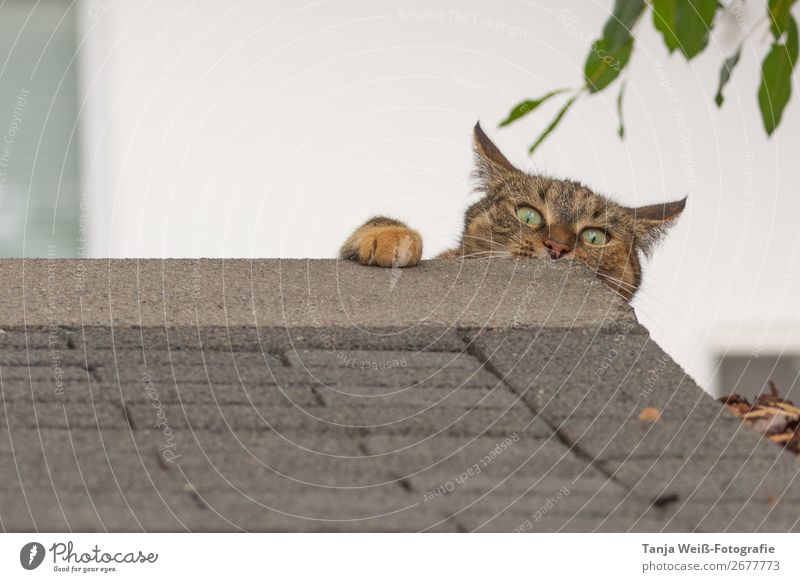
(651, 222)
(487, 154)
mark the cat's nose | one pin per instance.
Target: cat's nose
(556, 248)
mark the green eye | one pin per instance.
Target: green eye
(529, 215)
(594, 236)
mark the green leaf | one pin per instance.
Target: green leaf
(725, 74)
(604, 64)
(776, 79)
(621, 129)
(553, 123)
(779, 16)
(610, 53)
(617, 29)
(684, 24)
(526, 107)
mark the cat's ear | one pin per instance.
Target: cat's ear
(652, 222)
(487, 156)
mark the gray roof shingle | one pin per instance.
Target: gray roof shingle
(316, 395)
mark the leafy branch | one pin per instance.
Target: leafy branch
(685, 26)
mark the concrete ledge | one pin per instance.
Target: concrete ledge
(323, 396)
(298, 293)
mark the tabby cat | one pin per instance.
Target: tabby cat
(525, 215)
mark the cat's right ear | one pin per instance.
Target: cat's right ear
(487, 155)
(652, 222)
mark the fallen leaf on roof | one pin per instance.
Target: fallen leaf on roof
(650, 414)
(777, 419)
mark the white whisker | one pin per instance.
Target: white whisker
(488, 255)
(620, 282)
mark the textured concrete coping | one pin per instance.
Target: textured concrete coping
(316, 395)
(278, 293)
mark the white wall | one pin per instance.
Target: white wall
(251, 129)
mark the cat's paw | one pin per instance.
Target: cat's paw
(390, 246)
(385, 246)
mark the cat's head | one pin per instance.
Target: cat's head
(524, 215)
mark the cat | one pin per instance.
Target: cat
(524, 215)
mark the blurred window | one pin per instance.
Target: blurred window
(748, 375)
(40, 207)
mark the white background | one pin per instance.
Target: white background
(238, 129)
(402, 557)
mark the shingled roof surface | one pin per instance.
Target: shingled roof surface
(316, 395)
